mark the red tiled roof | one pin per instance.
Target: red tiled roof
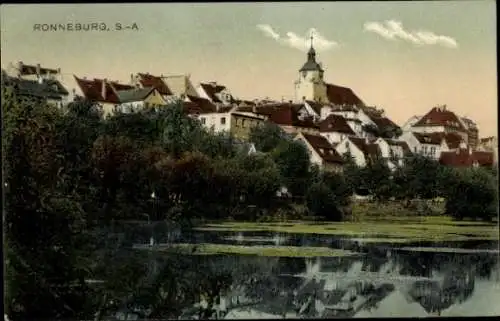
(205, 105)
(369, 149)
(92, 90)
(212, 90)
(335, 123)
(324, 149)
(464, 158)
(439, 116)
(286, 114)
(148, 80)
(342, 95)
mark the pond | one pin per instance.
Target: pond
(297, 275)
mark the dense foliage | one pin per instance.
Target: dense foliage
(70, 174)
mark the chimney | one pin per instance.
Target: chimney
(58, 71)
(254, 109)
(103, 88)
(131, 78)
(38, 69)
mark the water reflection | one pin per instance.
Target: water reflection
(389, 280)
(404, 283)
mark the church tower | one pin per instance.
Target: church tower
(310, 85)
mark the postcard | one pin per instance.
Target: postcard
(250, 160)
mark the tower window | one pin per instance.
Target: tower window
(304, 74)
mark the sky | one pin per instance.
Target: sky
(404, 57)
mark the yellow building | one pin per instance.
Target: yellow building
(241, 124)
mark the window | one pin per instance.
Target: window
(223, 121)
(243, 123)
(203, 120)
(433, 150)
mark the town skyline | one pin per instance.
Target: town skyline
(257, 50)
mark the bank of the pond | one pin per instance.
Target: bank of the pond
(411, 228)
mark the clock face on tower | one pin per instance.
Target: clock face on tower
(304, 74)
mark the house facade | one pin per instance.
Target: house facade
(393, 151)
(432, 144)
(362, 150)
(321, 152)
(466, 157)
(136, 99)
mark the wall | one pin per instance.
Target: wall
(241, 125)
(155, 99)
(333, 137)
(347, 145)
(311, 87)
(215, 121)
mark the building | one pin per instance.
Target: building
(37, 82)
(291, 117)
(441, 120)
(103, 92)
(321, 152)
(432, 144)
(180, 86)
(146, 80)
(335, 128)
(472, 132)
(136, 99)
(362, 150)
(227, 119)
(466, 157)
(393, 151)
(216, 93)
(311, 85)
(489, 144)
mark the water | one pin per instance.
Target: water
(389, 280)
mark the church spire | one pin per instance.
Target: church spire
(311, 63)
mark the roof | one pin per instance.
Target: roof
(286, 114)
(148, 80)
(453, 140)
(323, 148)
(440, 116)
(487, 139)
(465, 158)
(400, 143)
(92, 89)
(429, 138)
(26, 70)
(202, 104)
(369, 149)
(311, 64)
(212, 89)
(342, 95)
(136, 94)
(48, 88)
(315, 106)
(335, 123)
(383, 122)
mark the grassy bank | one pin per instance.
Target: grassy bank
(376, 222)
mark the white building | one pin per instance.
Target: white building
(361, 149)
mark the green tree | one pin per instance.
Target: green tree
(322, 202)
(292, 158)
(267, 136)
(472, 193)
(377, 179)
(41, 218)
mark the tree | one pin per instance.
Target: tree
(377, 179)
(292, 158)
(352, 174)
(472, 193)
(321, 201)
(42, 218)
(267, 136)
